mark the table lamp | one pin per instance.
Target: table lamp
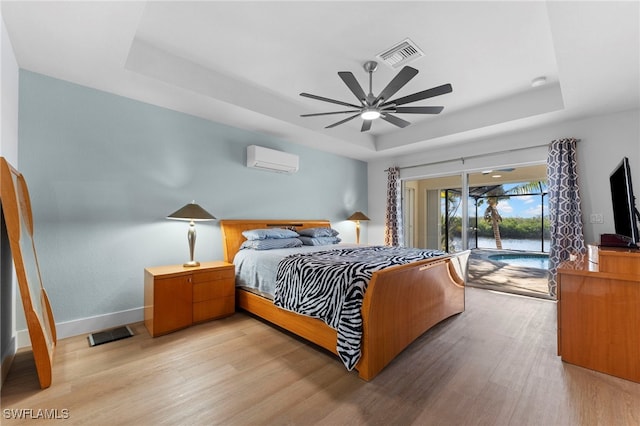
(357, 217)
(191, 212)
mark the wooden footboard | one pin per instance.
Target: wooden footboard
(400, 304)
(403, 302)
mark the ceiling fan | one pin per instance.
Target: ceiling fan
(372, 107)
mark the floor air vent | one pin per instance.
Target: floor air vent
(401, 54)
(107, 336)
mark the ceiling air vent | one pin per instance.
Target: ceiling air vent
(402, 53)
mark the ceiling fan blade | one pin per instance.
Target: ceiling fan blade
(396, 121)
(353, 85)
(418, 110)
(429, 93)
(402, 78)
(329, 113)
(366, 125)
(342, 121)
(333, 101)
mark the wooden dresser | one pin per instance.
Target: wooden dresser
(176, 297)
(599, 311)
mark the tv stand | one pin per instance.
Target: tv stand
(598, 311)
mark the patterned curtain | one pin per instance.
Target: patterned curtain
(564, 206)
(393, 217)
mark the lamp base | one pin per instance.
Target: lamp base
(191, 264)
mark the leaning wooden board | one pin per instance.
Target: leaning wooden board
(16, 207)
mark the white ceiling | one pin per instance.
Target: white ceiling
(245, 63)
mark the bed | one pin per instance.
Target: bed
(400, 302)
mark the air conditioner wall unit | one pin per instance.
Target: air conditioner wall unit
(259, 157)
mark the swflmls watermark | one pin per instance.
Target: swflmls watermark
(36, 413)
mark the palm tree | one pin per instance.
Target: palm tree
(492, 215)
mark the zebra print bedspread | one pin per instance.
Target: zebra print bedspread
(330, 285)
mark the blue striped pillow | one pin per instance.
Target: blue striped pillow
(263, 234)
(319, 241)
(318, 232)
(271, 243)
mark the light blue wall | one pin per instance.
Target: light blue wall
(104, 171)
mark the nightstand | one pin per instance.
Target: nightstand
(176, 297)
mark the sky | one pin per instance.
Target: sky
(516, 205)
(521, 206)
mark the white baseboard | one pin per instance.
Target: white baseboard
(88, 325)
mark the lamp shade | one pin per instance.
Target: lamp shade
(191, 211)
(358, 216)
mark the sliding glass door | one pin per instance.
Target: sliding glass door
(427, 224)
(451, 218)
(487, 209)
(501, 215)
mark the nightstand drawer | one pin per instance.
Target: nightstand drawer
(213, 289)
(214, 275)
(214, 308)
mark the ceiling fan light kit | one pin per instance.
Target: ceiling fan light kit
(370, 114)
(373, 107)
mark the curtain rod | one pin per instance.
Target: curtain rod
(462, 159)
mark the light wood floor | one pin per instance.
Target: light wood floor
(495, 364)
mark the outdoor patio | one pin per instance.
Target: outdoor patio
(491, 274)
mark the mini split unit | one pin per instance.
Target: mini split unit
(269, 159)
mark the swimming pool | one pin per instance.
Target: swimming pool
(527, 260)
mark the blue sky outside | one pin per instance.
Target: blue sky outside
(522, 206)
(518, 205)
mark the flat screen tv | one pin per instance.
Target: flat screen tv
(625, 213)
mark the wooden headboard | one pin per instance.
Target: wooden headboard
(232, 230)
